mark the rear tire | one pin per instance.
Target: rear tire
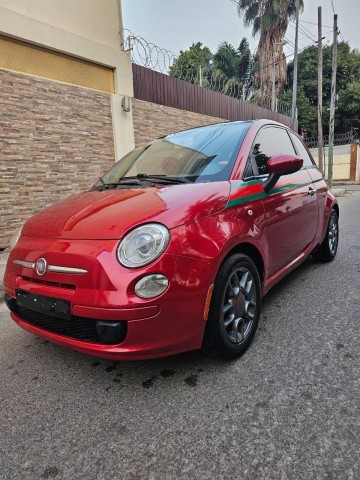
(235, 308)
(328, 248)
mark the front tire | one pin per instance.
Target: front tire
(235, 308)
(329, 246)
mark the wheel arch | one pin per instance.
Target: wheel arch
(251, 251)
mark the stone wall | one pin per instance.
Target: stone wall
(55, 138)
(152, 120)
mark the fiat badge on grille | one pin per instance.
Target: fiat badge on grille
(41, 266)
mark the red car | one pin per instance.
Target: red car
(173, 248)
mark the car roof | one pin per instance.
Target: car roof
(259, 122)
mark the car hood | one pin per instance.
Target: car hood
(108, 214)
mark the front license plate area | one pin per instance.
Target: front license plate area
(39, 303)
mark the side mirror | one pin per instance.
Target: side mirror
(279, 165)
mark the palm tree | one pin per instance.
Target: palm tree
(269, 18)
(225, 68)
(233, 67)
(226, 59)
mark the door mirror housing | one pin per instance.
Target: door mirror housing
(279, 165)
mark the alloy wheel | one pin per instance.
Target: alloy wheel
(333, 234)
(239, 305)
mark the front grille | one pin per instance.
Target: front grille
(68, 286)
(79, 328)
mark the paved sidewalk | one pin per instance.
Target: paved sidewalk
(355, 186)
(340, 189)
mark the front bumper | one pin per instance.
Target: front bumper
(169, 324)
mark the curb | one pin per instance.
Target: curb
(338, 192)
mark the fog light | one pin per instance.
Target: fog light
(111, 333)
(151, 286)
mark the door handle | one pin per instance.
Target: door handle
(311, 191)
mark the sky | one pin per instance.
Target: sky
(175, 24)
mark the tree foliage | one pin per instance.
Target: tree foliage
(188, 63)
(227, 70)
(348, 88)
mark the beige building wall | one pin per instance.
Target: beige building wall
(342, 161)
(97, 20)
(84, 29)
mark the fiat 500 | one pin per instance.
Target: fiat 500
(174, 247)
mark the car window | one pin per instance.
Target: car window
(203, 154)
(268, 142)
(301, 151)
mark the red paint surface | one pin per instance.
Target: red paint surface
(84, 231)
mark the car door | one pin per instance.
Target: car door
(291, 208)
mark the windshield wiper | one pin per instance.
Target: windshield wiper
(143, 179)
(123, 181)
(162, 178)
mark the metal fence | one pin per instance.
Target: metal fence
(157, 88)
(149, 55)
(339, 139)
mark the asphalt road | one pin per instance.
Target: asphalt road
(288, 409)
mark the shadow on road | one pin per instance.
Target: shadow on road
(190, 367)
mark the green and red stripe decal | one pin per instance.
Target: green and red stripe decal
(244, 192)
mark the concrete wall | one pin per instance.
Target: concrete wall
(346, 165)
(152, 120)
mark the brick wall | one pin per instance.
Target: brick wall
(55, 138)
(152, 120)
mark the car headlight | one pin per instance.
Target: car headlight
(143, 245)
(14, 239)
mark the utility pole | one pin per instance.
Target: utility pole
(320, 93)
(200, 76)
(294, 92)
(332, 105)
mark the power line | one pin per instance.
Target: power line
(290, 42)
(301, 27)
(333, 9)
(286, 56)
(332, 6)
(303, 32)
(313, 23)
(341, 35)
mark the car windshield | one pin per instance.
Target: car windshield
(205, 154)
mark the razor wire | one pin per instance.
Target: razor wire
(149, 55)
(145, 53)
